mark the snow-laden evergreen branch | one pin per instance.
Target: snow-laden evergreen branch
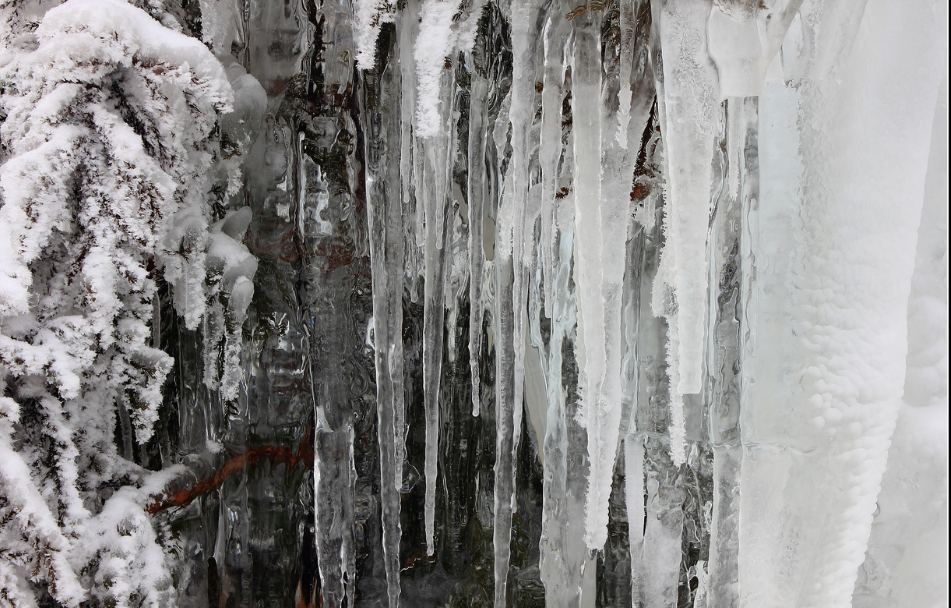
(109, 150)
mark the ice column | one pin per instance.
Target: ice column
(829, 354)
(906, 562)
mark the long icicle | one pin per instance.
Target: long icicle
(385, 215)
(435, 137)
(433, 322)
(688, 109)
(511, 298)
(477, 192)
(586, 111)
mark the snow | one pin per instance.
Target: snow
(93, 210)
(37, 524)
(79, 27)
(445, 27)
(227, 256)
(433, 46)
(27, 236)
(369, 16)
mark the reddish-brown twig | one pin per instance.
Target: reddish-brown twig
(273, 453)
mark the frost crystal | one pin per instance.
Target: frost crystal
(108, 134)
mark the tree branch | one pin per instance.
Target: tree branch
(237, 463)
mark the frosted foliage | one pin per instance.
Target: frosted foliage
(108, 145)
(632, 304)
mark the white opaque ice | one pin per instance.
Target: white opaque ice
(832, 302)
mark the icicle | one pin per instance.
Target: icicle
(743, 42)
(511, 271)
(436, 172)
(634, 501)
(688, 112)
(420, 195)
(333, 510)
(505, 446)
(678, 421)
(435, 144)
(433, 141)
(556, 33)
(562, 553)
(505, 404)
(660, 558)
(635, 91)
(690, 97)
(385, 223)
(559, 565)
(600, 236)
(656, 561)
(477, 191)
(602, 260)
(735, 189)
(408, 28)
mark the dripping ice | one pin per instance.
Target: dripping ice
(569, 205)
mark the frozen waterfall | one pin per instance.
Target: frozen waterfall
(633, 303)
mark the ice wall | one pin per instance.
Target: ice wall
(778, 364)
(579, 304)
